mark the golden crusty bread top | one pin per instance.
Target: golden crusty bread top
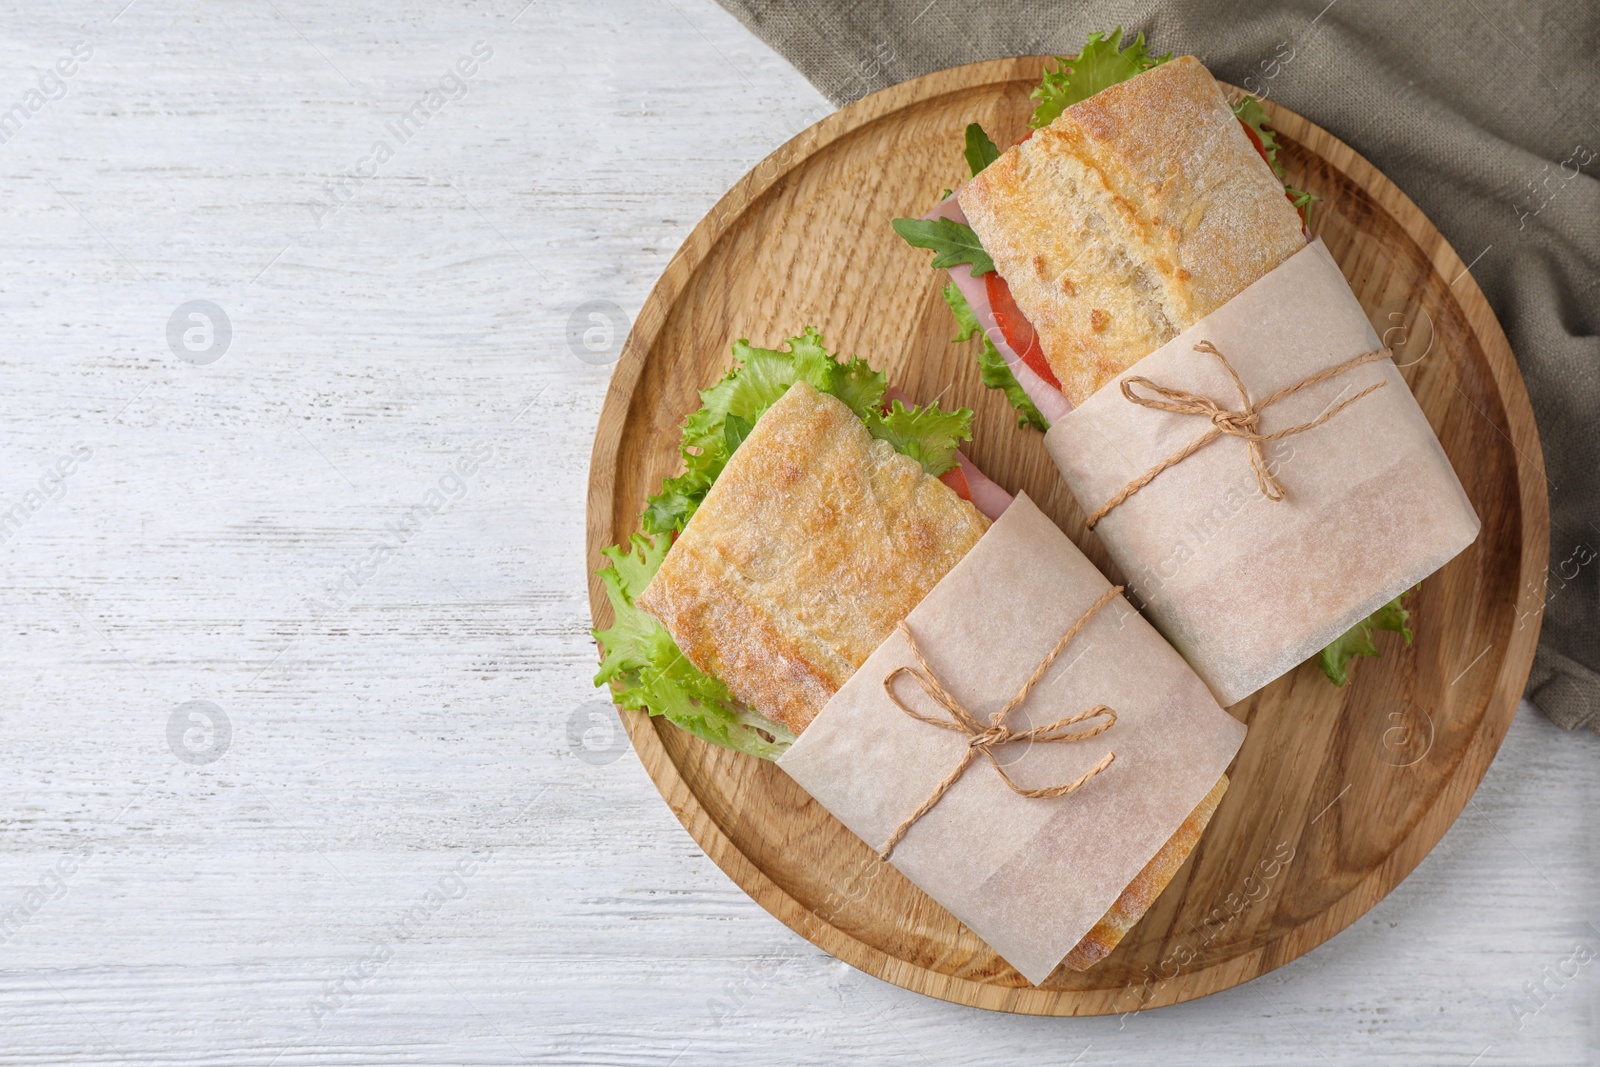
(1133, 215)
(814, 541)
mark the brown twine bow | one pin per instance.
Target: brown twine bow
(986, 737)
(1244, 424)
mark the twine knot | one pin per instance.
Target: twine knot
(1244, 423)
(1236, 423)
(993, 737)
(986, 737)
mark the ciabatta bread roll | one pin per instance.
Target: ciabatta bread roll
(1134, 214)
(815, 540)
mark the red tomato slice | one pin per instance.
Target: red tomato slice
(1015, 327)
(956, 478)
(1255, 139)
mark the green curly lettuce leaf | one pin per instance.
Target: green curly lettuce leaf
(644, 668)
(731, 407)
(992, 366)
(1102, 62)
(953, 243)
(980, 150)
(646, 671)
(1252, 114)
(858, 385)
(928, 434)
(1335, 659)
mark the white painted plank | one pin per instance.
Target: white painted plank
(245, 910)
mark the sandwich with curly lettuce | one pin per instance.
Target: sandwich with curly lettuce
(814, 511)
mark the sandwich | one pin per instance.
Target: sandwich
(1128, 218)
(793, 541)
(1139, 202)
(814, 512)
(815, 540)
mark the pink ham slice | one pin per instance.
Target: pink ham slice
(987, 497)
(1048, 399)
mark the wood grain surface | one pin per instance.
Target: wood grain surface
(222, 900)
(1336, 795)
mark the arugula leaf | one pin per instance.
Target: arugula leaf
(954, 242)
(1079, 77)
(1335, 659)
(732, 406)
(1250, 112)
(647, 672)
(992, 366)
(980, 150)
(928, 434)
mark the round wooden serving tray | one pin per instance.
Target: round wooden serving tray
(1337, 793)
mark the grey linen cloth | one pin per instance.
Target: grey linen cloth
(1486, 115)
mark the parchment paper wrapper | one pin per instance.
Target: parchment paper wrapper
(1244, 587)
(1029, 876)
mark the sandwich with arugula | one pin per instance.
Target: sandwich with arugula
(1139, 202)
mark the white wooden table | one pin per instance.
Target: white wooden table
(351, 524)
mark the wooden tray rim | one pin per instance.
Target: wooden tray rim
(1378, 882)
